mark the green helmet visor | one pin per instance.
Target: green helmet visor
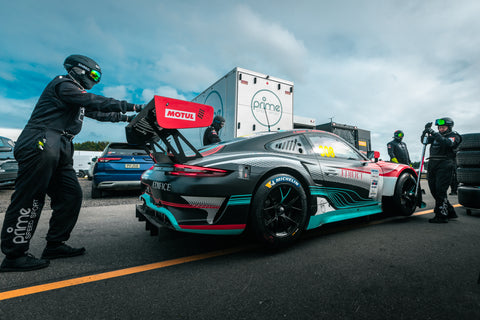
(95, 75)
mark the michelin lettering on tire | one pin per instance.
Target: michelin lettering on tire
(288, 179)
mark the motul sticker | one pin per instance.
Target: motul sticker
(181, 115)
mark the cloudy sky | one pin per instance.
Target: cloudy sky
(380, 65)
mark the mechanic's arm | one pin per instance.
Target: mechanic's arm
(72, 94)
(108, 116)
(390, 150)
(429, 138)
(213, 137)
(408, 158)
(444, 141)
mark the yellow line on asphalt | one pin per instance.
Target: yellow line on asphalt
(431, 210)
(114, 274)
(123, 272)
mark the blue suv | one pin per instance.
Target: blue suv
(119, 168)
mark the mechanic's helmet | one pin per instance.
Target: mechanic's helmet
(83, 69)
(398, 135)
(446, 121)
(218, 122)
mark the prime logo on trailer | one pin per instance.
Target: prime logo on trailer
(266, 108)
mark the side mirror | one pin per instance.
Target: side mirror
(373, 155)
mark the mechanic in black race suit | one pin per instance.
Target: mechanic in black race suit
(441, 165)
(44, 152)
(397, 150)
(211, 133)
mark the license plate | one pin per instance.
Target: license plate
(132, 165)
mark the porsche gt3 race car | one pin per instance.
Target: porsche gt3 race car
(279, 184)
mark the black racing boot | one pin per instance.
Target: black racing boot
(438, 219)
(26, 262)
(61, 251)
(451, 213)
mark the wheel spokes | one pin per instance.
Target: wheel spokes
(282, 211)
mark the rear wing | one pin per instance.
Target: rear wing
(155, 128)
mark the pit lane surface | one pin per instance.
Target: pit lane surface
(384, 267)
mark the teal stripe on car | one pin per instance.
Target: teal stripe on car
(239, 200)
(343, 214)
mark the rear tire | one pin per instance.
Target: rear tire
(469, 196)
(470, 141)
(468, 158)
(279, 213)
(468, 176)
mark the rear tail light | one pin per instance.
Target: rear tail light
(195, 171)
(105, 159)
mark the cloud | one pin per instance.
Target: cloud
(166, 91)
(15, 112)
(10, 133)
(117, 92)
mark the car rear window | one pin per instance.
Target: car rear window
(125, 150)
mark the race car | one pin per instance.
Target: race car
(277, 184)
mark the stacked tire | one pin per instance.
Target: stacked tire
(468, 171)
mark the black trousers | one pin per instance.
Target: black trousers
(41, 172)
(454, 182)
(439, 177)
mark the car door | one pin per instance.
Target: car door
(349, 179)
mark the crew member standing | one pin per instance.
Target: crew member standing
(44, 152)
(441, 165)
(211, 133)
(397, 150)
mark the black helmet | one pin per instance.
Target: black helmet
(83, 69)
(218, 122)
(398, 135)
(446, 121)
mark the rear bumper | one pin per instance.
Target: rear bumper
(119, 185)
(162, 217)
(7, 178)
(7, 183)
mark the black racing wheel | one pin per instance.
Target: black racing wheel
(279, 211)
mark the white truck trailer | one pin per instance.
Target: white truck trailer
(82, 160)
(250, 102)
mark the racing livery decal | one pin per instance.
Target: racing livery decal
(374, 183)
(340, 198)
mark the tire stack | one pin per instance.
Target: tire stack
(468, 171)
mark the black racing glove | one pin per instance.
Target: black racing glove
(430, 131)
(127, 118)
(138, 107)
(428, 126)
